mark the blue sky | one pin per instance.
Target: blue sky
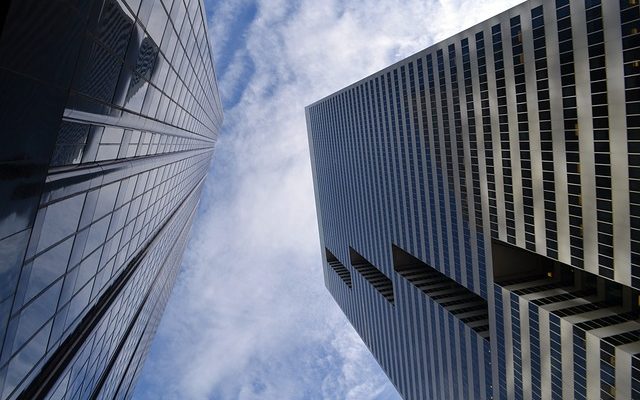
(249, 317)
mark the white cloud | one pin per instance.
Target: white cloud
(250, 317)
(225, 15)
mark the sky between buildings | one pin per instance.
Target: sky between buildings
(249, 317)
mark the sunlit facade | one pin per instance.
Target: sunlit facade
(479, 207)
(109, 113)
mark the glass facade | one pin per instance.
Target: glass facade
(109, 113)
(490, 184)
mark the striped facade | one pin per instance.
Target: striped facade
(479, 207)
(109, 114)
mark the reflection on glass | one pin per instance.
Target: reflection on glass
(102, 278)
(61, 220)
(11, 253)
(22, 363)
(101, 73)
(88, 268)
(157, 21)
(112, 135)
(101, 77)
(72, 138)
(48, 267)
(89, 209)
(114, 27)
(68, 287)
(36, 314)
(78, 303)
(97, 234)
(107, 152)
(145, 67)
(5, 310)
(93, 142)
(106, 200)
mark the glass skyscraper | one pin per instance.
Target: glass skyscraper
(479, 207)
(109, 113)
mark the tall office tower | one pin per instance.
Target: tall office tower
(479, 207)
(109, 112)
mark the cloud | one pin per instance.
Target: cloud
(249, 317)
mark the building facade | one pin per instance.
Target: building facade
(479, 207)
(109, 113)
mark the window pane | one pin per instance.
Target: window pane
(61, 220)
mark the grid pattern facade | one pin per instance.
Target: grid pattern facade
(521, 132)
(111, 112)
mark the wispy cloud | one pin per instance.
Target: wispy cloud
(250, 317)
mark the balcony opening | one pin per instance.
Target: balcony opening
(338, 268)
(372, 274)
(564, 289)
(464, 304)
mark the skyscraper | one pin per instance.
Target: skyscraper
(479, 207)
(109, 112)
